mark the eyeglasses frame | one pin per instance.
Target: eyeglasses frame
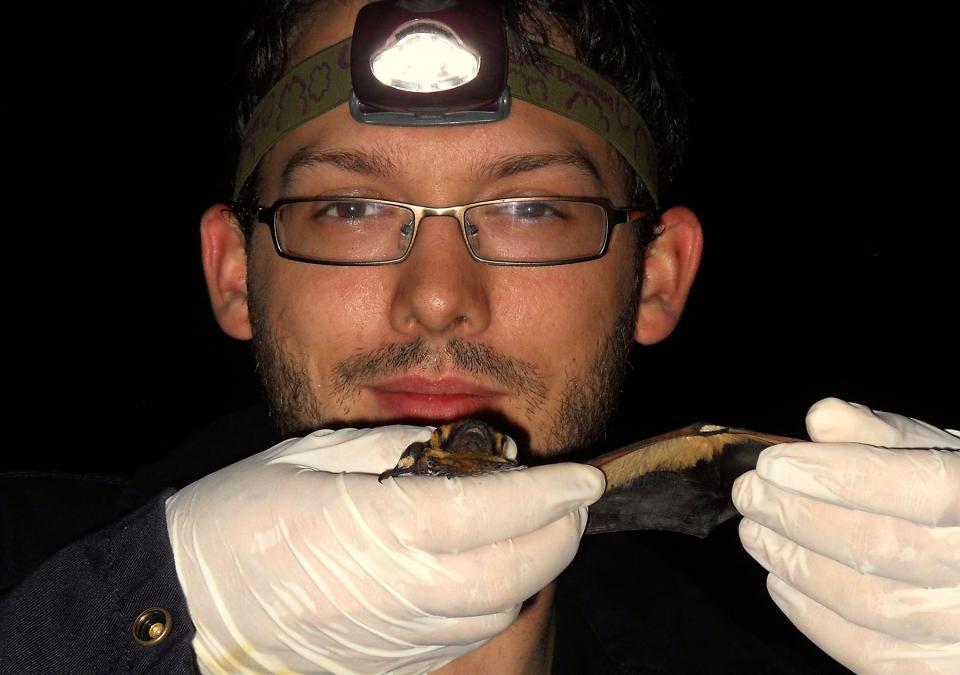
(614, 216)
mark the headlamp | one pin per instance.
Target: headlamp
(437, 63)
(429, 63)
(425, 57)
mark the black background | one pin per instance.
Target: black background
(820, 166)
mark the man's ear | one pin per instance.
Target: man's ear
(671, 264)
(225, 268)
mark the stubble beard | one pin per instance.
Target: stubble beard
(586, 404)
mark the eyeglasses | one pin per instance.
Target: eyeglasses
(523, 231)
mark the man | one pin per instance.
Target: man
(438, 336)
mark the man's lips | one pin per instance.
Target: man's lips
(440, 400)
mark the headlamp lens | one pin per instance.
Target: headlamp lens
(424, 57)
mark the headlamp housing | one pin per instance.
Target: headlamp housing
(429, 63)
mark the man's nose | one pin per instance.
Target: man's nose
(440, 289)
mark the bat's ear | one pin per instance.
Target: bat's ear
(670, 266)
(225, 268)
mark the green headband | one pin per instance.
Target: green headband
(559, 84)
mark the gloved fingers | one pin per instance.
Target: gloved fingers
(867, 542)
(489, 580)
(348, 450)
(402, 598)
(407, 637)
(833, 420)
(919, 485)
(440, 515)
(465, 630)
(860, 649)
(885, 605)
(495, 577)
(425, 642)
(355, 546)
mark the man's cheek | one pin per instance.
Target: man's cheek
(319, 306)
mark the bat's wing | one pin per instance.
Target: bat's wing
(679, 481)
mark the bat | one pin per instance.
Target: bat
(680, 481)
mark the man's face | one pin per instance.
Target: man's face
(440, 336)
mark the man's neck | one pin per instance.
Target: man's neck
(525, 647)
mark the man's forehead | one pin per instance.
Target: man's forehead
(387, 162)
(528, 141)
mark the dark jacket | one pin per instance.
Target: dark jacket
(645, 602)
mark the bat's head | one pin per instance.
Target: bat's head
(472, 437)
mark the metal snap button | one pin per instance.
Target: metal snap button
(152, 626)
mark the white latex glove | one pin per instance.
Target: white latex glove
(298, 560)
(862, 542)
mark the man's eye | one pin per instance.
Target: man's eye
(531, 210)
(347, 210)
(519, 215)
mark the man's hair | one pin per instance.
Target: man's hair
(613, 37)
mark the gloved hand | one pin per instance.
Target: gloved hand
(862, 541)
(298, 559)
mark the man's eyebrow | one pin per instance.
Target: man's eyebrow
(512, 165)
(358, 161)
(381, 164)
